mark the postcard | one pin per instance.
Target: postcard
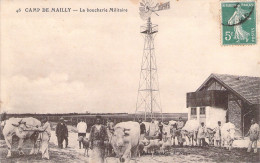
(129, 81)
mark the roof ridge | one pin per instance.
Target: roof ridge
(245, 87)
(216, 74)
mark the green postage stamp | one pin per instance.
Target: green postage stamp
(238, 23)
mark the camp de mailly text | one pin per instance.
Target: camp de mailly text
(76, 10)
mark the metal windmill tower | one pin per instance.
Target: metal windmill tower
(148, 103)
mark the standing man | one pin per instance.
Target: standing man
(153, 128)
(110, 130)
(217, 135)
(45, 130)
(142, 129)
(173, 132)
(61, 132)
(98, 136)
(167, 129)
(82, 130)
(202, 134)
(160, 126)
(180, 125)
(254, 135)
(110, 124)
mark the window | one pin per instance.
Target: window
(193, 111)
(202, 111)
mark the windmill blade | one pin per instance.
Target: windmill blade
(147, 7)
(164, 6)
(154, 8)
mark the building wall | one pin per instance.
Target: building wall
(193, 117)
(211, 118)
(214, 115)
(234, 115)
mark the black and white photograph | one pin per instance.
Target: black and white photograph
(129, 81)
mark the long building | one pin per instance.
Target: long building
(73, 118)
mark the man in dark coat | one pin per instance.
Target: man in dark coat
(61, 132)
(142, 129)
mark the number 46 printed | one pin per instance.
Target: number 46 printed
(228, 35)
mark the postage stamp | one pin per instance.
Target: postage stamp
(238, 23)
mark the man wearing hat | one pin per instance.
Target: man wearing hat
(61, 132)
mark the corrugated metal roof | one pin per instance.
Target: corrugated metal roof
(245, 86)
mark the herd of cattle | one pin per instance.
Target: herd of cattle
(126, 142)
(125, 139)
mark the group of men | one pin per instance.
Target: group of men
(253, 134)
(98, 134)
(202, 133)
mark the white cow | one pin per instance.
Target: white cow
(125, 140)
(167, 130)
(152, 145)
(228, 131)
(166, 143)
(21, 127)
(190, 130)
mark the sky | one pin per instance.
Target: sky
(78, 62)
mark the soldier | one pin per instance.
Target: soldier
(98, 136)
(110, 124)
(254, 135)
(61, 132)
(82, 129)
(142, 129)
(217, 135)
(160, 126)
(153, 128)
(202, 135)
(180, 125)
(45, 130)
(174, 133)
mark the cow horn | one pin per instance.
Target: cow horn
(20, 121)
(15, 125)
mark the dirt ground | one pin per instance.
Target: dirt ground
(184, 154)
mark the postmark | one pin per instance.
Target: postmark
(238, 21)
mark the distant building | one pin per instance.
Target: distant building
(226, 98)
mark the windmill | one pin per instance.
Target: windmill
(148, 103)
